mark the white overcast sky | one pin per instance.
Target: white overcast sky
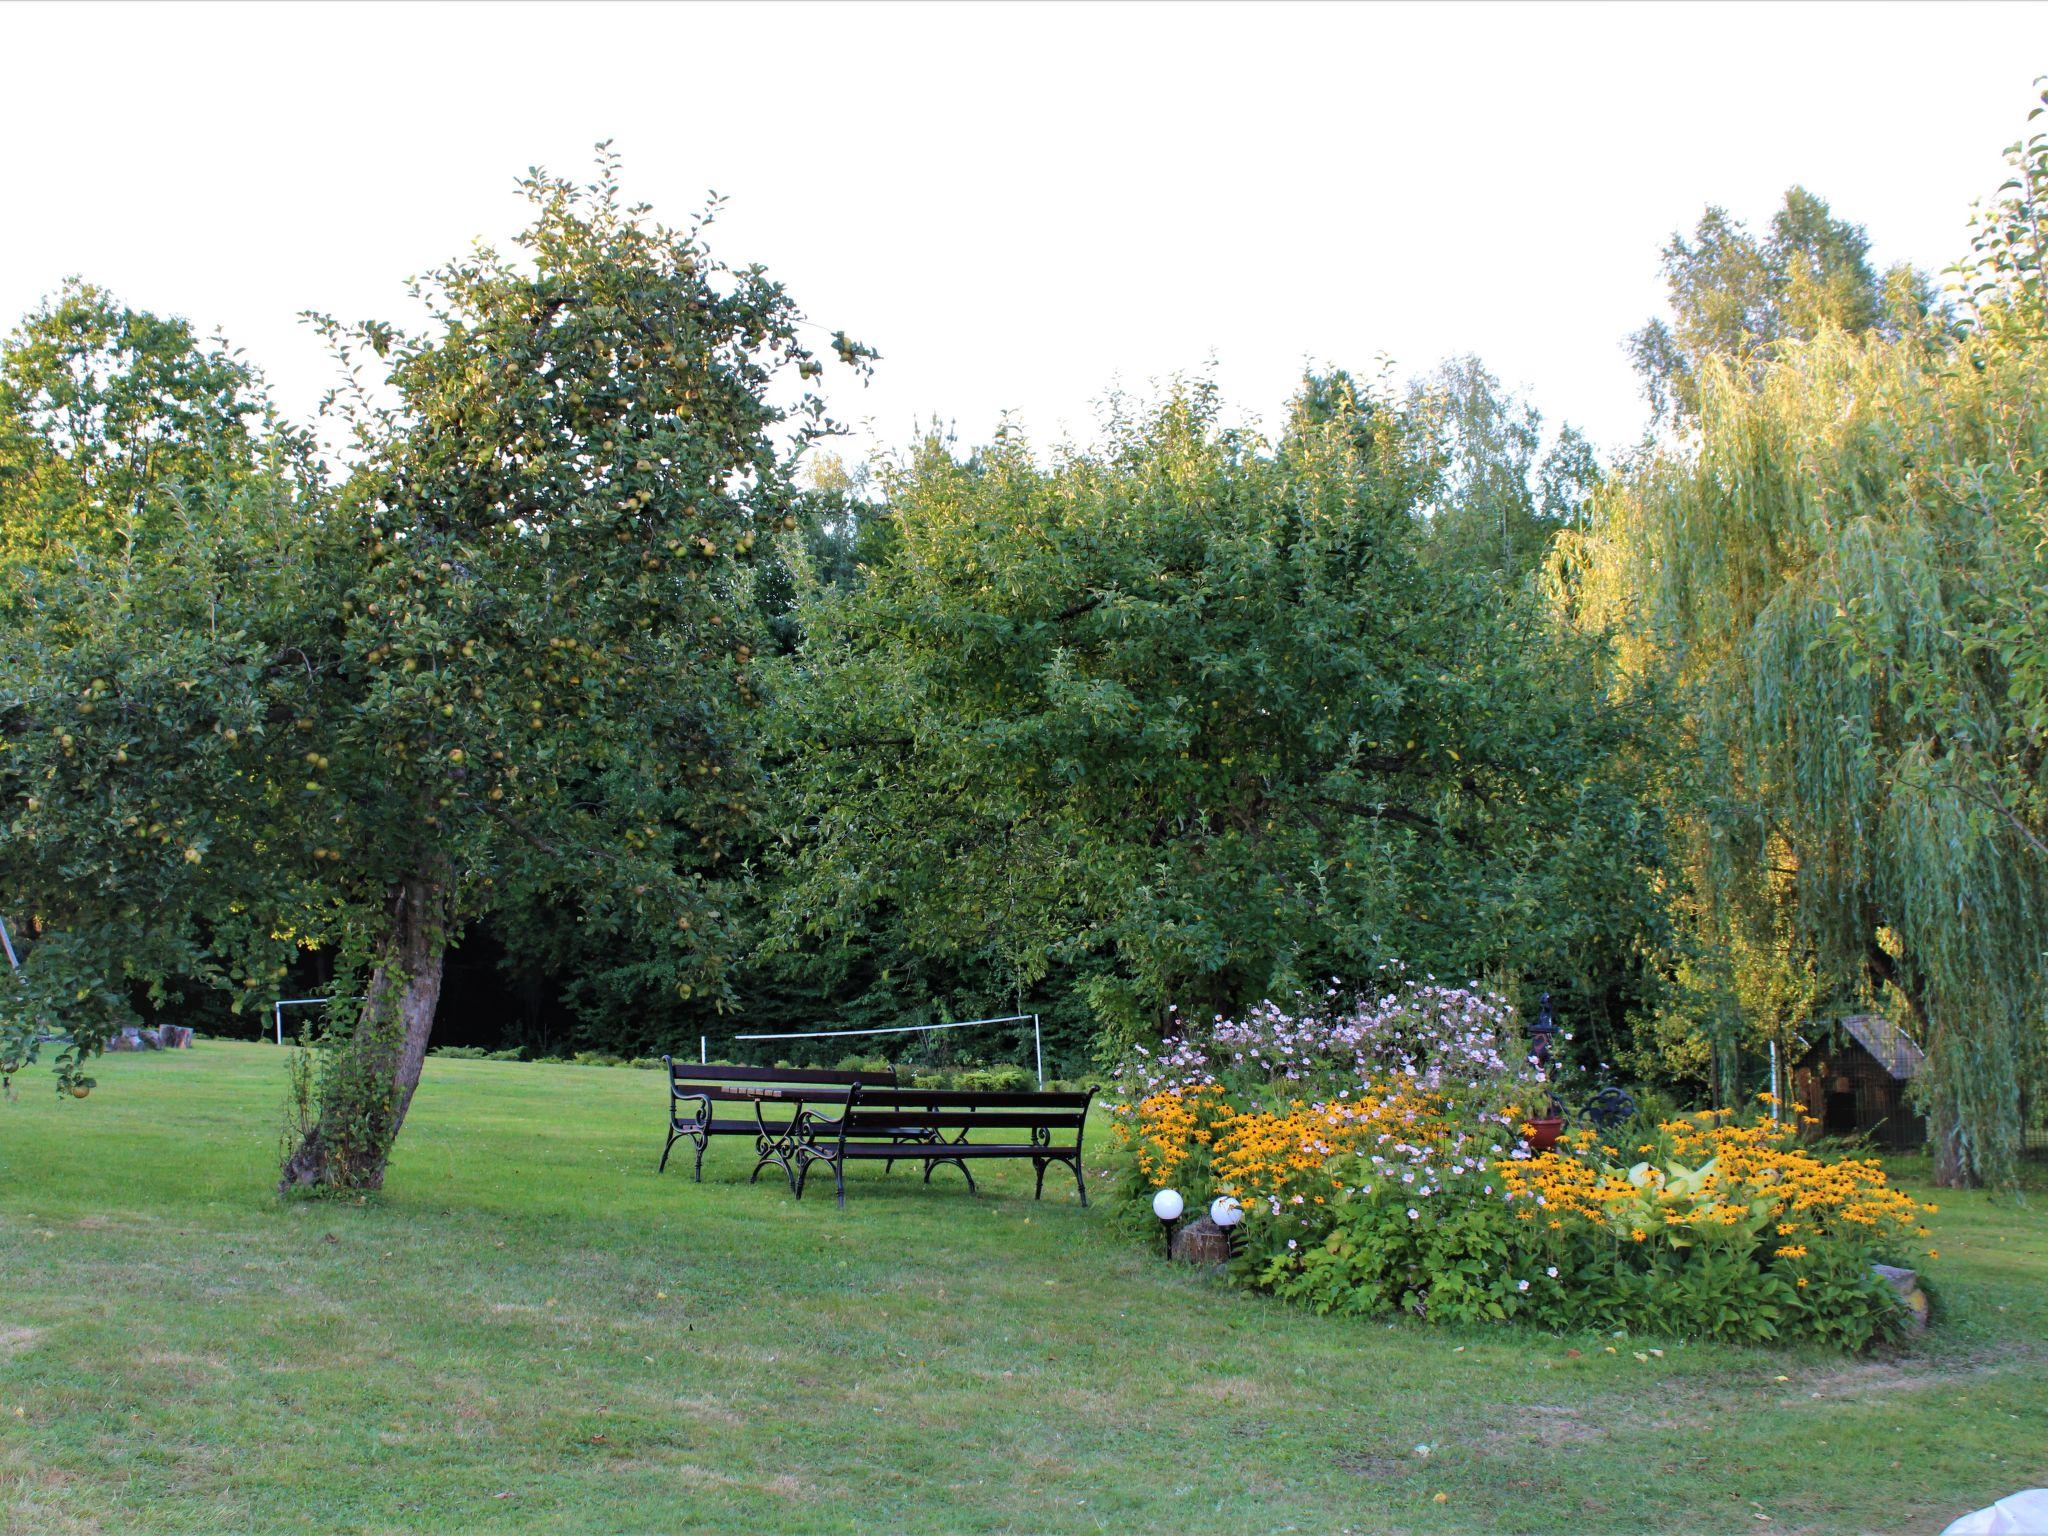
(1018, 204)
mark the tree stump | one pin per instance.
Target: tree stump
(1202, 1242)
(1906, 1284)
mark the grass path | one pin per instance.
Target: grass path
(532, 1333)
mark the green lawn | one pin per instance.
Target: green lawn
(531, 1332)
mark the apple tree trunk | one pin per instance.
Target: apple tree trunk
(367, 1079)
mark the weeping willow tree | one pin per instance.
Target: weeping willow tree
(1844, 569)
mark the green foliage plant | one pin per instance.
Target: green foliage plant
(1194, 718)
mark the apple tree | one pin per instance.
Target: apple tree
(510, 658)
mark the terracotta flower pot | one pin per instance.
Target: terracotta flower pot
(1542, 1133)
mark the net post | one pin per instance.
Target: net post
(703, 1050)
(278, 1012)
(1038, 1049)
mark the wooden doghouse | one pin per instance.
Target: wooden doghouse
(1853, 1081)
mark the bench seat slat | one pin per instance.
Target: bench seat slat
(860, 1123)
(874, 1150)
(880, 1096)
(731, 1127)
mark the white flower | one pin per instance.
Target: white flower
(1552, 1271)
(1414, 1214)
(1521, 1285)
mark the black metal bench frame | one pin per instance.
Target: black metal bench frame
(705, 1088)
(889, 1125)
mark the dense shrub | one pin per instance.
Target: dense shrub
(996, 1079)
(1377, 1150)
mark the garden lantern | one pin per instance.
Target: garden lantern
(1167, 1206)
(1542, 1032)
(1227, 1213)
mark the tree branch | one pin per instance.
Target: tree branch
(1394, 813)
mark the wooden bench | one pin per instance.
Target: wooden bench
(888, 1124)
(708, 1101)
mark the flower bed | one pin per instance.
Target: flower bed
(1378, 1152)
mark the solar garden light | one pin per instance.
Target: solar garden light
(1167, 1206)
(1226, 1213)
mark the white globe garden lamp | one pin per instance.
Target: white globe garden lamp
(1167, 1206)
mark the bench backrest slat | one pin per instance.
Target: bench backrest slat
(805, 1093)
(878, 1095)
(691, 1072)
(896, 1112)
(869, 1121)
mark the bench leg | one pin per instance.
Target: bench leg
(703, 1141)
(803, 1177)
(673, 1138)
(1040, 1164)
(1080, 1183)
(899, 1138)
(932, 1162)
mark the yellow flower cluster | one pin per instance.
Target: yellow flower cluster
(1281, 1157)
(1811, 1195)
(1274, 1155)
(1563, 1185)
(1720, 1175)
(1170, 1126)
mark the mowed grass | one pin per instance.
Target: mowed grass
(532, 1332)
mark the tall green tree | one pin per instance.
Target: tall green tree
(1194, 716)
(106, 412)
(1501, 495)
(1735, 295)
(513, 662)
(151, 518)
(1847, 576)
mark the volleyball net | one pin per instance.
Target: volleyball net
(1003, 1039)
